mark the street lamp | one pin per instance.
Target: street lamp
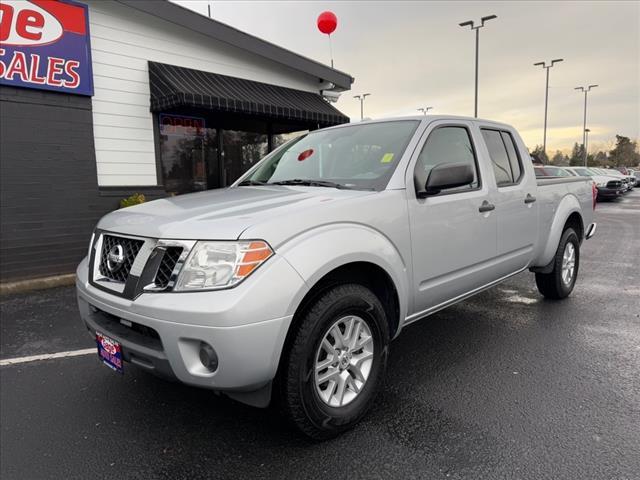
(586, 144)
(584, 125)
(424, 110)
(546, 98)
(477, 28)
(361, 98)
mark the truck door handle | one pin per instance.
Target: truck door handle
(486, 207)
(529, 198)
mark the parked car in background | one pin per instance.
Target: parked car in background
(550, 171)
(608, 187)
(616, 175)
(627, 180)
(304, 269)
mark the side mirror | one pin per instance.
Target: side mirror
(447, 175)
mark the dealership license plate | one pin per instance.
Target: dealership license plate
(110, 352)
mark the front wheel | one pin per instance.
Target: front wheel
(334, 362)
(560, 281)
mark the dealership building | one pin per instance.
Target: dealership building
(101, 99)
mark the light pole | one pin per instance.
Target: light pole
(546, 98)
(424, 110)
(584, 125)
(586, 144)
(477, 29)
(361, 98)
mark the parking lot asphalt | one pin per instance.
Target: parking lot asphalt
(504, 385)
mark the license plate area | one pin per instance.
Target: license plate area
(110, 352)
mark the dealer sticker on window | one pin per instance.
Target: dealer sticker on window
(110, 352)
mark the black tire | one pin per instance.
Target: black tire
(298, 399)
(551, 284)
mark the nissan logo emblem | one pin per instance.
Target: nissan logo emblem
(115, 258)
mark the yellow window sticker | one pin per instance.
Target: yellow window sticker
(387, 158)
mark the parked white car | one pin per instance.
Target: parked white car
(608, 186)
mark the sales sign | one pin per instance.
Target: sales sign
(44, 44)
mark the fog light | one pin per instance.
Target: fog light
(208, 357)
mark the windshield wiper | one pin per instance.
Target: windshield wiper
(310, 183)
(251, 182)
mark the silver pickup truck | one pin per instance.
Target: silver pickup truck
(289, 285)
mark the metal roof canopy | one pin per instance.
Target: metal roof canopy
(174, 87)
(184, 17)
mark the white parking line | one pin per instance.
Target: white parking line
(46, 356)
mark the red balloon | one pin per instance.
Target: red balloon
(327, 22)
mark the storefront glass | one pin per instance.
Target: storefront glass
(189, 154)
(195, 156)
(283, 138)
(241, 151)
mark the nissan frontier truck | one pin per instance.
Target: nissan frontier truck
(289, 285)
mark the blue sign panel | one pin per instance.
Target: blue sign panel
(45, 44)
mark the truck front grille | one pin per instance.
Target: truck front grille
(169, 261)
(117, 256)
(614, 184)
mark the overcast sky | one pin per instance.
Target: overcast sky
(413, 54)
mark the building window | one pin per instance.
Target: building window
(188, 154)
(242, 150)
(282, 138)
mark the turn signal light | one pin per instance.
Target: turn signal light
(252, 257)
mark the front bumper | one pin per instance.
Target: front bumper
(162, 332)
(604, 192)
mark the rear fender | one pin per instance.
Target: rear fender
(568, 205)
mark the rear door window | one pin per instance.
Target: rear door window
(505, 159)
(514, 158)
(499, 157)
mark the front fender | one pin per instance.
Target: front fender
(317, 252)
(568, 205)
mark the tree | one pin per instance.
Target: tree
(600, 159)
(559, 158)
(577, 155)
(624, 153)
(538, 154)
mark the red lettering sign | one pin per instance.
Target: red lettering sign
(45, 44)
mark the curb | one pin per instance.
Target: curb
(24, 286)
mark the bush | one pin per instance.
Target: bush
(135, 199)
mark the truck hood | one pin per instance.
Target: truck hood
(220, 214)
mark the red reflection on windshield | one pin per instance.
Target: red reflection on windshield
(306, 154)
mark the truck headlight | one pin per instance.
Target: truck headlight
(215, 265)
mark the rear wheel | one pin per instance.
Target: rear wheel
(560, 281)
(334, 362)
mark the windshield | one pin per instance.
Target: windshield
(556, 172)
(360, 156)
(583, 172)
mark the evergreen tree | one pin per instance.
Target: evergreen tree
(600, 159)
(559, 159)
(624, 154)
(538, 154)
(577, 155)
